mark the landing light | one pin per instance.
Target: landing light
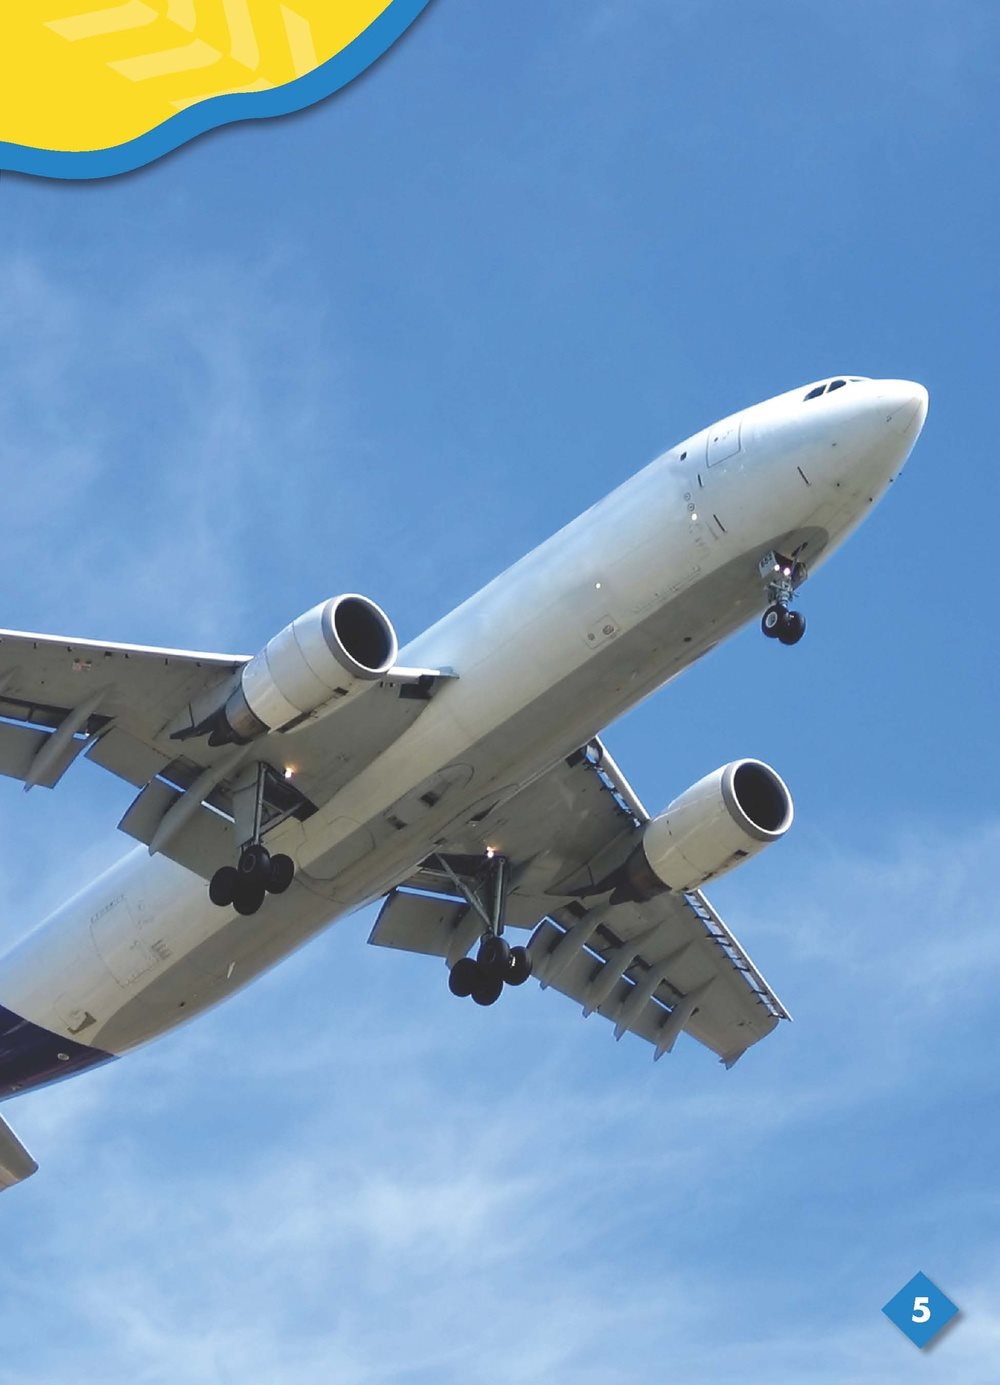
(289, 771)
(693, 516)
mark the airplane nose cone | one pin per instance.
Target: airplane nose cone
(904, 405)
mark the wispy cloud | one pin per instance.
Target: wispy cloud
(346, 1176)
(363, 1181)
(168, 464)
(163, 455)
(929, 893)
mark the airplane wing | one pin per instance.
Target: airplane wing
(657, 969)
(129, 709)
(16, 1164)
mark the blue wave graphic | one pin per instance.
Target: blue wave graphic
(187, 125)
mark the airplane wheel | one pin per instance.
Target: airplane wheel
(493, 954)
(249, 896)
(792, 628)
(280, 873)
(772, 620)
(222, 886)
(255, 861)
(518, 967)
(486, 988)
(463, 976)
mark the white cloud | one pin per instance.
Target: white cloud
(163, 457)
(344, 1175)
(910, 914)
(356, 1179)
(162, 453)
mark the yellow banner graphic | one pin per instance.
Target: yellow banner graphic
(90, 90)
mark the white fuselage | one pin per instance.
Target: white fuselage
(567, 639)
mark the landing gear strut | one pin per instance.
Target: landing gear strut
(496, 964)
(783, 575)
(244, 886)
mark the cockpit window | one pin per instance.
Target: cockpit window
(829, 385)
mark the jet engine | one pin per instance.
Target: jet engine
(722, 820)
(324, 657)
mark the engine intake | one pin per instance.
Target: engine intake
(721, 821)
(327, 655)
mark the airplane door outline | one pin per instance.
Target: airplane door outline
(724, 440)
(120, 934)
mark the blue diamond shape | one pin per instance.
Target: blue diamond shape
(920, 1310)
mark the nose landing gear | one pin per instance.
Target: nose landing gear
(783, 575)
(496, 964)
(778, 622)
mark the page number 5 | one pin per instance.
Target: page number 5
(921, 1312)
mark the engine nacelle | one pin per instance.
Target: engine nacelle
(326, 656)
(719, 822)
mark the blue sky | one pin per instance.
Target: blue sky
(389, 345)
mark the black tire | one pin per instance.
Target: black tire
(493, 953)
(255, 862)
(280, 873)
(222, 886)
(518, 967)
(773, 619)
(792, 628)
(463, 977)
(487, 987)
(249, 896)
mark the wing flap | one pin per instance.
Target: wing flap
(618, 998)
(203, 842)
(657, 969)
(127, 757)
(38, 758)
(16, 1164)
(19, 746)
(418, 923)
(657, 985)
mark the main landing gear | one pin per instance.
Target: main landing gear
(257, 874)
(496, 964)
(783, 575)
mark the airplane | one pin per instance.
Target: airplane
(462, 780)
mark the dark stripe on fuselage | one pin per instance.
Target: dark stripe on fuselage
(31, 1056)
